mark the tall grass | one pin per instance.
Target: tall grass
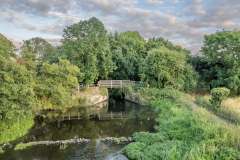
(229, 110)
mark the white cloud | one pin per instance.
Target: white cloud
(154, 3)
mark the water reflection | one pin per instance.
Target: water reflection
(108, 119)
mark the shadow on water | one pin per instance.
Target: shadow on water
(107, 119)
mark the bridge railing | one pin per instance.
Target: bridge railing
(116, 83)
(110, 84)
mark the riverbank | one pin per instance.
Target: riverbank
(184, 132)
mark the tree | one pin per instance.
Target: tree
(85, 44)
(164, 68)
(41, 47)
(124, 56)
(16, 88)
(54, 85)
(29, 59)
(160, 42)
(7, 49)
(221, 51)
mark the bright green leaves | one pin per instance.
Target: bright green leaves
(218, 95)
(164, 68)
(7, 49)
(53, 89)
(16, 88)
(86, 46)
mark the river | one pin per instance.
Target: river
(107, 119)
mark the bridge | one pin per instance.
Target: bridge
(112, 83)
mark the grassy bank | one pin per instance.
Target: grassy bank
(184, 132)
(229, 110)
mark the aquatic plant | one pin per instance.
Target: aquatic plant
(21, 145)
(63, 145)
(1, 150)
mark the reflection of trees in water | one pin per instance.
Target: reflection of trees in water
(134, 119)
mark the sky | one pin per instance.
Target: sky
(182, 22)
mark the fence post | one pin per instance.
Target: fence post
(111, 115)
(111, 83)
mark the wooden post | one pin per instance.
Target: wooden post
(69, 116)
(111, 115)
(88, 86)
(78, 115)
(111, 83)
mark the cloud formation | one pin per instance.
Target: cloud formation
(182, 22)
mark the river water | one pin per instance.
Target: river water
(107, 119)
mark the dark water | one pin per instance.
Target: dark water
(108, 119)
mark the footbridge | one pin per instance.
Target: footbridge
(112, 83)
(117, 83)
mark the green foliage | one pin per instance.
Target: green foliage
(29, 58)
(63, 146)
(127, 49)
(1, 150)
(53, 86)
(161, 43)
(103, 90)
(44, 51)
(16, 88)
(185, 133)
(221, 52)
(7, 49)
(10, 129)
(134, 150)
(165, 150)
(149, 138)
(164, 68)
(218, 95)
(21, 146)
(85, 44)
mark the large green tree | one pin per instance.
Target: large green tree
(221, 51)
(16, 88)
(127, 48)
(86, 45)
(54, 85)
(45, 51)
(165, 68)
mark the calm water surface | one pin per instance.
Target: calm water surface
(108, 119)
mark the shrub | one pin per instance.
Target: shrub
(218, 95)
(134, 150)
(149, 138)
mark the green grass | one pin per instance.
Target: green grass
(184, 133)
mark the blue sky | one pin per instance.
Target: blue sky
(183, 22)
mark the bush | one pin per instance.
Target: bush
(149, 138)
(218, 95)
(134, 150)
